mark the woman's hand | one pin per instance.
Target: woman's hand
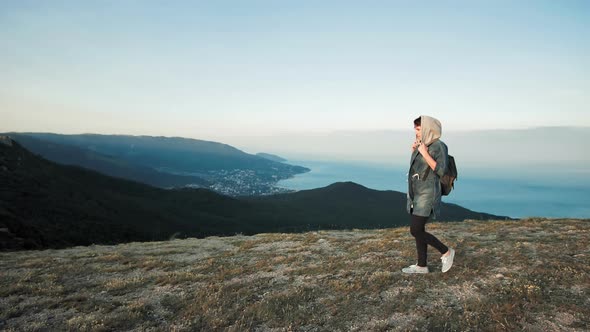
(415, 145)
(423, 150)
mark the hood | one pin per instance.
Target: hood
(431, 129)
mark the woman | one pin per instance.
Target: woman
(427, 165)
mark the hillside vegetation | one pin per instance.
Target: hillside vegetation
(529, 275)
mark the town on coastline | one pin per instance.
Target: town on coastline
(244, 182)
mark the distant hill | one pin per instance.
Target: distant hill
(44, 204)
(271, 157)
(176, 155)
(106, 164)
(350, 205)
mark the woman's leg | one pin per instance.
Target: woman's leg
(423, 239)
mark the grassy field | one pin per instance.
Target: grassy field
(532, 274)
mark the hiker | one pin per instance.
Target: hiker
(427, 165)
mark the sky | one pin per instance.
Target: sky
(215, 69)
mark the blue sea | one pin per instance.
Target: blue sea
(517, 193)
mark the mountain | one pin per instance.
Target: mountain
(524, 275)
(48, 205)
(43, 204)
(106, 164)
(349, 205)
(175, 155)
(271, 157)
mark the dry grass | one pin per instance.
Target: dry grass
(530, 274)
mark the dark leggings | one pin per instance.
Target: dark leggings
(423, 239)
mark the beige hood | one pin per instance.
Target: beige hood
(431, 129)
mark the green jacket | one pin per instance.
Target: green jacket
(424, 191)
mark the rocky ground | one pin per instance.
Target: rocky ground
(530, 274)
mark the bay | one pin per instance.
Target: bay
(517, 193)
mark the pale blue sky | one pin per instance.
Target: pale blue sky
(212, 69)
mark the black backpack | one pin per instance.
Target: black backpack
(447, 181)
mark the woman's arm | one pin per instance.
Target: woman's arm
(429, 160)
(438, 160)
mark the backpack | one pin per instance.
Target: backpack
(447, 181)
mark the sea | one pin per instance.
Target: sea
(517, 193)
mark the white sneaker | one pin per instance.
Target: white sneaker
(415, 269)
(447, 261)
